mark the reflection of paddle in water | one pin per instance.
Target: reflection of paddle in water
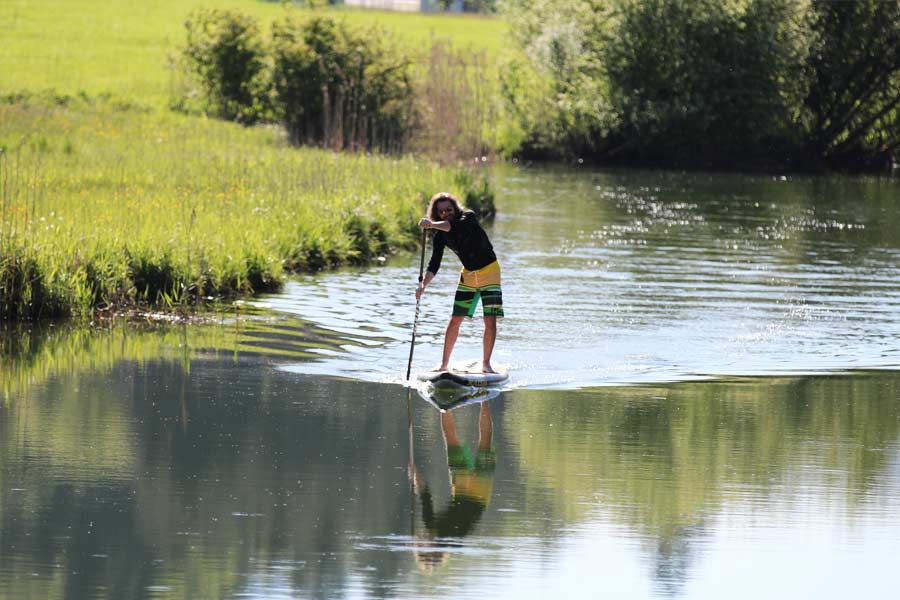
(471, 482)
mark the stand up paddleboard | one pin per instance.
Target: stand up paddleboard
(466, 374)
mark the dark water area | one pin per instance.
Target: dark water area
(703, 404)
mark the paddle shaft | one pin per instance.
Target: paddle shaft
(412, 344)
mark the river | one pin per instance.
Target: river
(703, 402)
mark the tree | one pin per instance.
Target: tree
(225, 52)
(850, 114)
(703, 81)
(568, 112)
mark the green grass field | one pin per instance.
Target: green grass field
(101, 205)
(122, 48)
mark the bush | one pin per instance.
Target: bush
(850, 113)
(699, 80)
(340, 88)
(225, 54)
(561, 98)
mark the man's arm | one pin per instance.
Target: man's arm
(427, 223)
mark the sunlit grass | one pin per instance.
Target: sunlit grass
(122, 49)
(105, 206)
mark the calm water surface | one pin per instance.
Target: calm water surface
(646, 277)
(704, 404)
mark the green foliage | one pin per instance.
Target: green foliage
(225, 53)
(23, 294)
(341, 88)
(698, 79)
(153, 274)
(458, 105)
(850, 112)
(559, 95)
(478, 195)
(329, 84)
(709, 83)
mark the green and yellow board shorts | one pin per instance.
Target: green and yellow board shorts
(484, 285)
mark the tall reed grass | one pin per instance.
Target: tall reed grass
(458, 98)
(102, 208)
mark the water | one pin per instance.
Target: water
(704, 404)
(646, 277)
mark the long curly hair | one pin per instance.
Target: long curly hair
(432, 205)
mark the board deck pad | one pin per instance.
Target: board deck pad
(467, 374)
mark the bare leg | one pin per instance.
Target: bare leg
(450, 337)
(490, 336)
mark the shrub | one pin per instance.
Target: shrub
(700, 80)
(851, 113)
(562, 101)
(226, 54)
(340, 88)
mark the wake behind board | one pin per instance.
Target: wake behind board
(467, 374)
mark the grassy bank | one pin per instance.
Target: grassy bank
(122, 48)
(106, 206)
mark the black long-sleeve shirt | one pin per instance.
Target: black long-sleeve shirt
(467, 240)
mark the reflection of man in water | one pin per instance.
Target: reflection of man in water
(471, 482)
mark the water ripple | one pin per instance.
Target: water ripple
(628, 283)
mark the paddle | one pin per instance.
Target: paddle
(411, 468)
(412, 344)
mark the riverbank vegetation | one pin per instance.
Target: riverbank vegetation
(747, 84)
(740, 84)
(335, 85)
(105, 207)
(123, 182)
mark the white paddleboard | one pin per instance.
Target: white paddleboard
(467, 374)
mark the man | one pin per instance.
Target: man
(458, 229)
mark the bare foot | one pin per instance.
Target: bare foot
(487, 368)
(440, 368)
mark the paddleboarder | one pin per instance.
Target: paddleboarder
(458, 229)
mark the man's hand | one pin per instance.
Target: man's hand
(420, 290)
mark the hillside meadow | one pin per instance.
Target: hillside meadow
(123, 49)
